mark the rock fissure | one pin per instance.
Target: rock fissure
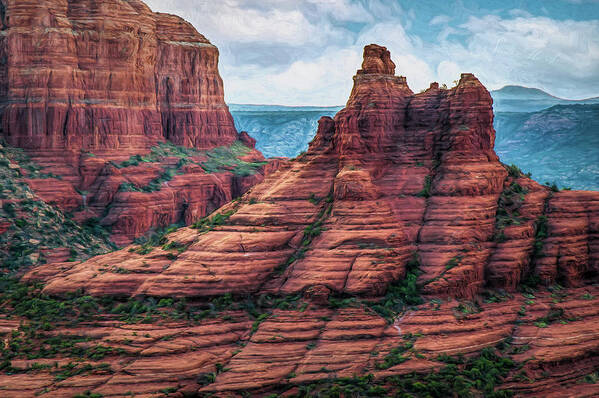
(351, 267)
(312, 231)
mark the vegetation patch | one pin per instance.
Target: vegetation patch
(207, 224)
(35, 226)
(466, 308)
(496, 296)
(553, 186)
(219, 160)
(541, 228)
(310, 232)
(399, 354)
(17, 160)
(453, 262)
(426, 190)
(43, 312)
(227, 159)
(476, 377)
(508, 209)
(401, 294)
(515, 171)
(554, 315)
(154, 239)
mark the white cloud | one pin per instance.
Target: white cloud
(537, 52)
(343, 10)
(298, 52)
(559, 56)
(440, 20)
(325, 80)
(448, 71)
(239, 21)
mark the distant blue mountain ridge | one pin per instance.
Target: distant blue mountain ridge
(525, 99)
(555, 139)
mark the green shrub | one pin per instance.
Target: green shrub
(426, 191)
(227, 159)
(310, 232)
(400, 294)
(209, 223)
(9, 209)
(453, 262)
(397, 354)
(514, 171)
(552, 186)
(128, 187)
(89, 394)
(477, 377)
(173, 245)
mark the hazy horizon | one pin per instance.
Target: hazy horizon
(342, 105)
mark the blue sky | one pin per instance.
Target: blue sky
(305, 52)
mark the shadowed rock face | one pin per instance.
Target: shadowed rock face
(85, 83)
(394, 175)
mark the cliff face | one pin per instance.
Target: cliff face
(347, 262)
(104, 75)
(86, 83)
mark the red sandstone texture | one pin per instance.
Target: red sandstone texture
(231, 356)
(395, 176)
(113, 79)
(392, 176)
(105, 75)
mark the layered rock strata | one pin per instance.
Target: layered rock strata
(395, 176)
(106, 75)
(399, 186)
(232, 355)
(86, 83)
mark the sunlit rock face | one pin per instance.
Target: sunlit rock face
(87, 83)
(394, 176)
(102, 75)
(395, 182)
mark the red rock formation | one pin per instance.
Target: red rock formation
(395, 176)
(187, 197)
(104, 75)
(231, 354)
(113, 79)
(398, 179)
(392, 176)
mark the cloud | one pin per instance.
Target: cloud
(306, 51)
(405, 51)
(440, 20)
(324, 80)
(242, 22)
(559, 56)
(342, 10)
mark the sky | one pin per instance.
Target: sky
(305, 52)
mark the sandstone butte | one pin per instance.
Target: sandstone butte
(85, 85)
(398, 191)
